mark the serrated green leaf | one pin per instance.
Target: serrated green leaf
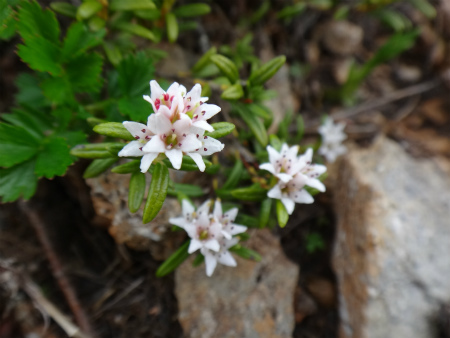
(252, 193)
(234, 176)
(63, 115)
(264, 214)
(58, 90)
(72, 137)
(87, 9)
(42, 55)
(54, 158)
(137, 30)
(16, 145)
(157, 192)
(226, 66)
(282, 214)
(18, 181)
(127, 168)
(113, 129)
(8, 19)
(221, 129)
(233, 92)
(134, 73)
(64, 8)
(253, 122)
(136, 191)
(204, 60)
(131, 5)
(266, 71)
(29, 93)
(35, 22)
(192, 10)
(172, 27)
(78, 40)
(33, 123)
(84, 73)
(98, 166)
(135, 108)
(174, 260)
(246, 253)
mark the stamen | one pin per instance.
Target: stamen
(205, 149)
(137, 137)
(166, 97)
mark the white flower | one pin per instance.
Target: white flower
(332, 137)
(293, 174)
(210, 233)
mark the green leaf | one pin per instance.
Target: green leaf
(266, 71)
(134, 73)
(136, 191)
(84, 73)
(148, 14)
(54, 158)
(192, 10)
(174, 260)
(94, 150)
(249, 221)
(199, 259)
(172, 27)
(252, 193)
(112, 53)
(42, 55)
(157, 192)
(188, 164)
(64, 8)
(253, 122)
(78, 40)
(87, 9)
(246, 253)
(137, 30)
(98, 166)
(186, 189)
(135, 108)
(58, 90)
(16, 145)
(204, 60)
(264, 214)
(37, 23)
(113, 129)
(282, 214)
(234, 176)
(131, 5)
(63, 116)
(226, 66)
(291, 11)
(72, 137)
(96, 23)
(233, 92)
(221, 129)
(17, 181)
(33, 122)
(29, 93)
(127, 168)
(8, 19)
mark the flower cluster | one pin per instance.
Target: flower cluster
(332, 137)
(212, 233)
(293, 173)
(176, 128)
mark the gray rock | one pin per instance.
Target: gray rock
(252, 300)
(391, 254)
(342, 37)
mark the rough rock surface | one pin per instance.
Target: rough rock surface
(252, 300)
(342, 37)
(391, 253)
(109, 193)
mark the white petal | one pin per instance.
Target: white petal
(147, 161)
(173, 89)
(307, 156)
(203, 125)
(195, 93)
(204, 208)
(315, 183)
(190, 144)
(175, 157)
(209, 111)
(226, 258)
(155, 90)
(212, 244)
(164, 110)
(148, 99)
(162, 124)
(198, 159)
(135, 128)
(289, 205)
(231, 214)
(182, 126)
(275, 192)
(237, 229)
(218, 210)
(182, 90)
(211, 263)
(319, 169)
(273, 155)
(210, 146)
(226, 234)
(187, 208)
(178, 221)
(131, 149)
(231, 242)
(302, 196)
(194, 245)
(284, 177)
(292, 152)
(267, 166)
(155, 145)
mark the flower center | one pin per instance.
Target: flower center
(204, 234)
(171, 140)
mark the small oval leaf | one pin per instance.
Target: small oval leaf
(252, 193)
(253, 122)
(266, 71)
(64, 8)
(136, 191)
(127, 168)
(131, 5)
(157, 192)
(98, 166)
(88, 9)
(234, 92)
(172, 27)
(192, 10)
(282, 214)
(234, 176)
(93, 150)
(221, 129)
(174, 260)
(226, 66)
(113, 129)
(137, 30)
(264, 214)
(246, 253)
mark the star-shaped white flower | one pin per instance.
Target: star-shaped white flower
(332, 137)
(284, 164)
(211, 233)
